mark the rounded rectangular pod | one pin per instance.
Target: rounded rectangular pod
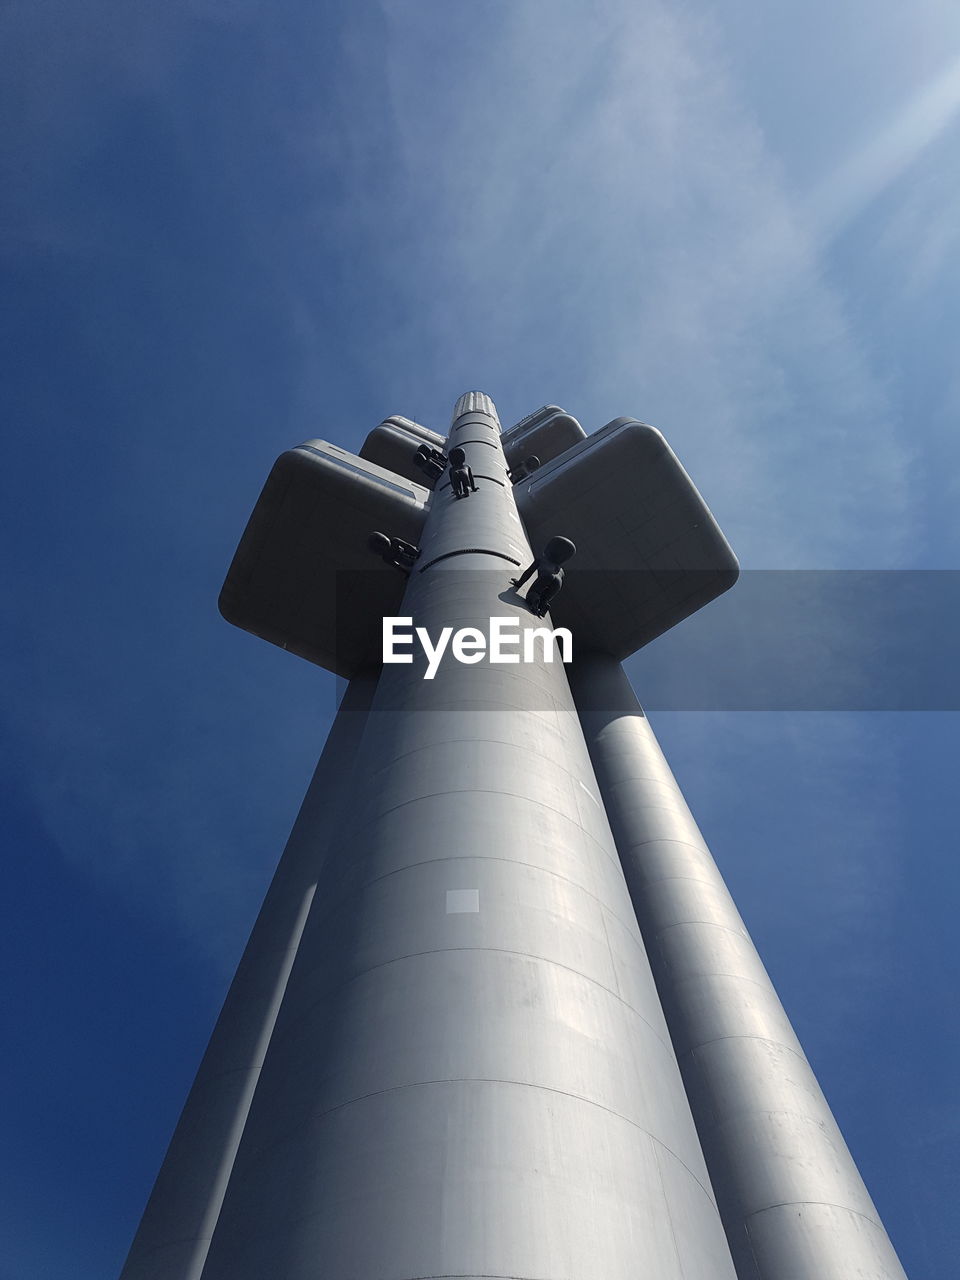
(649, 552)
(303, 576)
(393, 445)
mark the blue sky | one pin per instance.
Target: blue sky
(232, 226)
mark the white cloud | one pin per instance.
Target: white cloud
(586, 212)
(887, 154)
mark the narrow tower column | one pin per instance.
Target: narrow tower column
(470, 1074)
(177, 1225)
(793, 1203)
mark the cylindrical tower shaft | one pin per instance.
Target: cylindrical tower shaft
(793, 1203)
(470, 1074)
(178, 1222)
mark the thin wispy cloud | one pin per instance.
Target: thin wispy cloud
(580, 212)
(602, 201)
(885, 156)
(556, 210)
(920, 240)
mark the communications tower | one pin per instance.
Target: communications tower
(498, 1016)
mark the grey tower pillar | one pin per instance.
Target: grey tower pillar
(184, 1207)
(470, 1074)
(793, 1202)
(446, 1052)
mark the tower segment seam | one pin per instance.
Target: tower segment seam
(746, 1035)
(469, 551)
(475, 791)
(504, 951)
(516, 862)
(520, 1084)
(825, 1204)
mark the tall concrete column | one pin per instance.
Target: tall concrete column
(178, 1222)
(470, 1074)
(793, 1203)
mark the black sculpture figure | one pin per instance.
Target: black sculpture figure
(397, 553)
(461, 477)
(549, 574)
(524, 469)
(431, 462)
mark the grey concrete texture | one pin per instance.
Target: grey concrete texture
(792, 1200)
(470, 1074)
